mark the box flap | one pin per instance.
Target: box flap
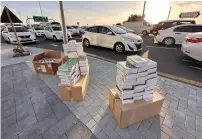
(39, 56)
(52, 54)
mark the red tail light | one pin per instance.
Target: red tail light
(193, 40)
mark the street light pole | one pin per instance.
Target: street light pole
(63, 22)
(40, 8)
(143, 9)
(169, 13)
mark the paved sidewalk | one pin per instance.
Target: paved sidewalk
(180, 117)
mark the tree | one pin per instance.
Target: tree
(135, 17)
(118, 23)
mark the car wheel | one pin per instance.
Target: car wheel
(45, 37)
(54, 38)
(169, 41)
(119, 47)
(86, 43)
(144, 32)
(35, 35)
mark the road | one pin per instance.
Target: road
(170, 59)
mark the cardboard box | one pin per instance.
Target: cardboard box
(49, 68)
(128, 114)
(76, 92)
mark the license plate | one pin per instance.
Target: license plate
(24, 39)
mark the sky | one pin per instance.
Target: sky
(102, 12)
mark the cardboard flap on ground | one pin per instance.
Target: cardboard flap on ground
(76, 92)
(128, 114)
(49, 68)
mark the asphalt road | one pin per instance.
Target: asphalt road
(170, 59)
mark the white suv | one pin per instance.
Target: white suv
(55, 32)
(24, 35)
(112, 37)
(177, 34)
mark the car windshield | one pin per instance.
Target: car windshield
(84, 27)
(18, 29)
(117, 30)
(69, 27)
(56, 28)
(75, 26)
(39, 28)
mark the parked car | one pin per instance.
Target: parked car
(177, 34)
(169, 23)
(193, 46)
(139, 27)
(126, 29)
(38, 31)
(112, 37)
(73, 31)
(55, 32)
(82, 29)
(24, 35)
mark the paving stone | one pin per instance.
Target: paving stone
(149, 135)
(123, 133)
(16, 128)
(96, 129)
(38, 128)
(60, 110)
(103, 135)
(190, 122)
(61, 127)
(7, 111)
(168, 121)
(63, 137)
(156, 125)
(136, 134)
(169, 132)
(90, 136)
(144, 126)
(86, 118)
(97, 118)
(6, 122)
(78, 131)
(91, 123)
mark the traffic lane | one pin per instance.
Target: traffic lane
(170, 59)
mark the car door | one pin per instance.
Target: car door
(105, 37)
(46, 32)
(180, 33)
(5, 34)
(92, 35)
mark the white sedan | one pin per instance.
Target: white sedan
(112, 37)
(193, 46)
(24, 35)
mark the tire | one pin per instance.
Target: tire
(169, 41)
(86, 43)
(144, 32)
(119, 47)
(45, 37)
(55, 39)
(35, 35)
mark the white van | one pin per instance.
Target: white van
(139, 27)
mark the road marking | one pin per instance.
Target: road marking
(196, 67)
(54, 45)
(161, 47)
(184, 80)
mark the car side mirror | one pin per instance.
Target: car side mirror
(109, 33)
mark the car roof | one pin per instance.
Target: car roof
(177, 21)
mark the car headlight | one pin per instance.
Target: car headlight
(12, 36)
(128, 39)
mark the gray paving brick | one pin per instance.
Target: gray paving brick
(91, 123)
(168, 121)
(61, 127)
(190, 122)
(96, 129)
(181, 133)
(42, 109)
(90, 136)
(169, 132)
(149, 135)
(63, 137)
(60, 110)
(6, 122)
(38, 128)
(156, 125)
(97, 117)
(16, 128)
(174, 104)
(144, 126)
(103, 135)
(7, 111)
(123, 133)
(78, 131)
(86, 118)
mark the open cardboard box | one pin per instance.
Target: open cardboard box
(76, 92)
(128, 114)
(49, 68)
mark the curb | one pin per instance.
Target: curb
(184, 80)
